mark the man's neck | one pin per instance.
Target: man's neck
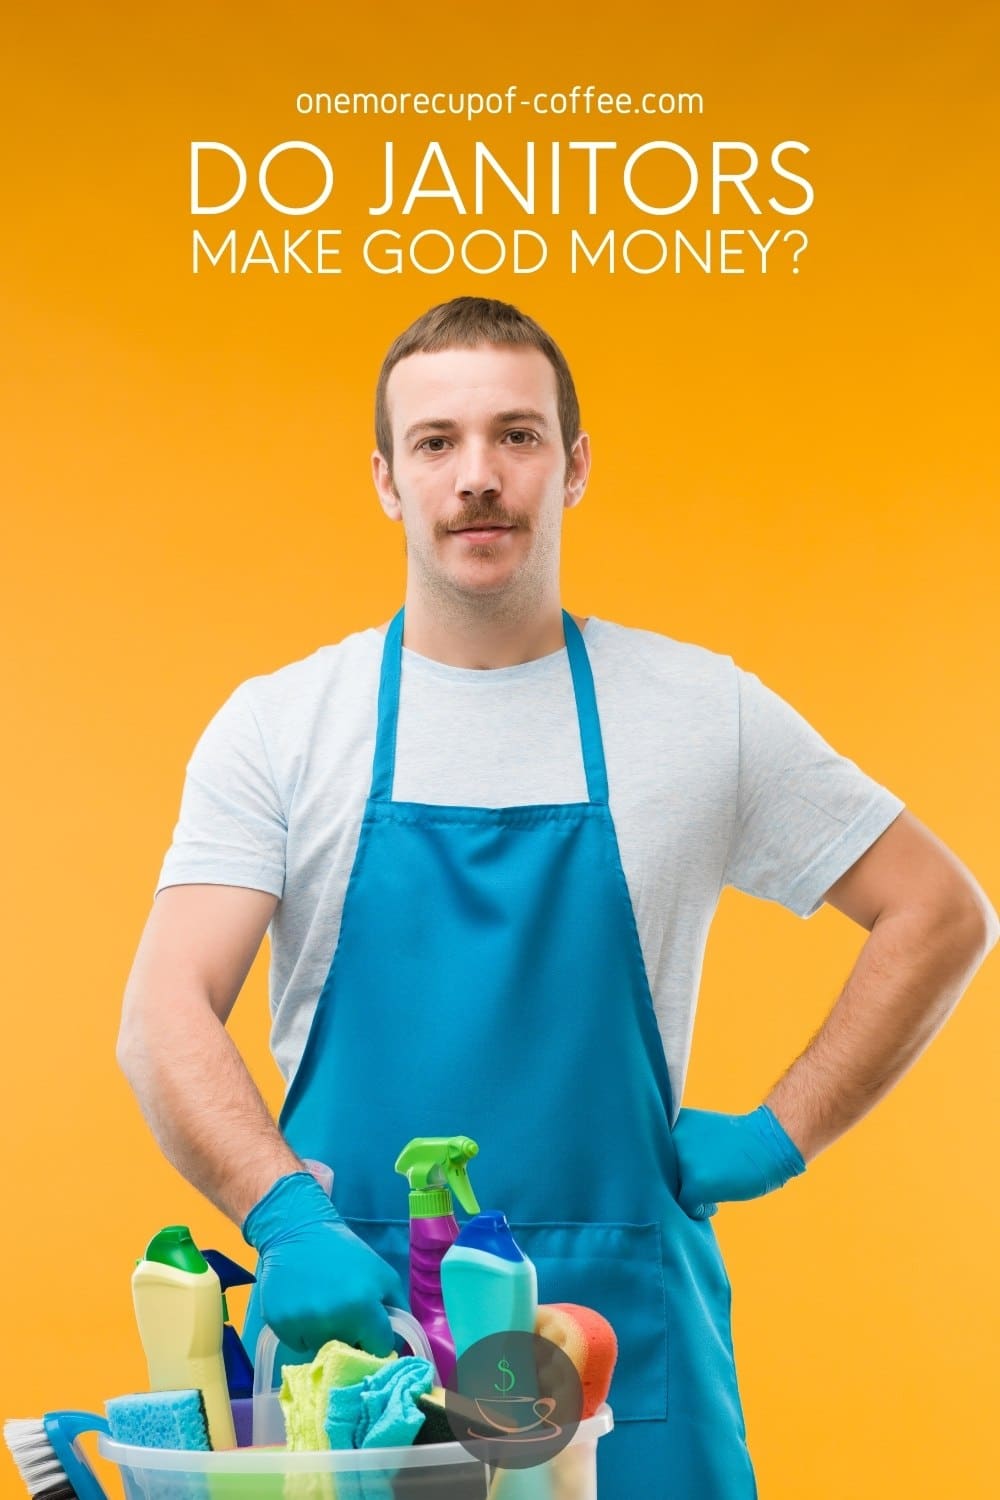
(482, 639)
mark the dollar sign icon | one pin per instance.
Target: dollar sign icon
(505, 1370)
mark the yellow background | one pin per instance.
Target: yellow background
(791, 469)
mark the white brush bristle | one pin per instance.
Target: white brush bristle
(36, 1460)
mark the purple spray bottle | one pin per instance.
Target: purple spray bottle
(435, 1166)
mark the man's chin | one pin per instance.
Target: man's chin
(483, 582)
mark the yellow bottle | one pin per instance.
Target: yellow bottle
(178, 1307)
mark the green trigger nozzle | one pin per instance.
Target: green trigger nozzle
(435, 1167)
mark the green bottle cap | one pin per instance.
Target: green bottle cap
(430, 1203)
(435, 1166)
(174, 1246)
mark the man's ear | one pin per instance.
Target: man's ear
(577, 471)
(382, 476)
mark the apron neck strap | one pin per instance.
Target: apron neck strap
(586, 712)
(384, 763)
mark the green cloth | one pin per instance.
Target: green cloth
(305, 1391)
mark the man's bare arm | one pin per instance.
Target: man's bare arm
(191, 1083)
(930, 928)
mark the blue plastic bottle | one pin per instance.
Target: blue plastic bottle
(489, 1285)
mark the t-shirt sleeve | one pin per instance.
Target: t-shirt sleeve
(232, 826)
(804, 813)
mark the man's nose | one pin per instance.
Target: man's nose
(477, 472)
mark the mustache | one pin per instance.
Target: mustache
(483, 516)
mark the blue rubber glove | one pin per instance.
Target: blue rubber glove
(729, 1158)
(317, 1279)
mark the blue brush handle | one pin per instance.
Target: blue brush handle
(62, 1428)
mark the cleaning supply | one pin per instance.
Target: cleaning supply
(435, 1167)
(160, 1419)
(268, 1421)
(49, 1458)
(305, 1391)
(179, 1310)
(440, 1408)
(322, 1173)
(488, 1285)
(381, 1411)
(440, 1472)
(304, 1402)
(589, 1341)
(238, 1364)
(437, 1426)
(165, 1422)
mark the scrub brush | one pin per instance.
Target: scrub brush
(49, 1459)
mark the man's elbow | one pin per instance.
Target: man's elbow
(954, 919)
(127, 1044)
(984, 924)
(134, 1042)
(970, 922)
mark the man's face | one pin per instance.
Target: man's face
(479, 474)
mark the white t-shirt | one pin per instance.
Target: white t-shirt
(713, 781)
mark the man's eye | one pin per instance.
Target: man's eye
(430, 444)
(519, 437)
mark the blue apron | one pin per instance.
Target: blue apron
(488, 981)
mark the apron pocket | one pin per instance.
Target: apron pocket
(617, 1269)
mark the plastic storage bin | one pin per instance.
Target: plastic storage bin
(433, 1471)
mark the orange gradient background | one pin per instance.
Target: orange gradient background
(793, 469)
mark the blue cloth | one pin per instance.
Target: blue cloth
(316, 1279)
(381, 1411)
(489, 975)
(729, 1158)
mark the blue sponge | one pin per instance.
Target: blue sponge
(160, 1419)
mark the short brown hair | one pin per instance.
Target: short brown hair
(466, 323)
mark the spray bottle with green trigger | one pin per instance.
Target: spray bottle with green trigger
(435, 1166)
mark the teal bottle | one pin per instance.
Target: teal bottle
(489, 1285)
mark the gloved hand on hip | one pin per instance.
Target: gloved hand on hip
(728, 1158)
(317, 1279)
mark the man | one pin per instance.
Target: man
(489, 840)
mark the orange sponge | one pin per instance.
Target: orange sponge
(589, 1341)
